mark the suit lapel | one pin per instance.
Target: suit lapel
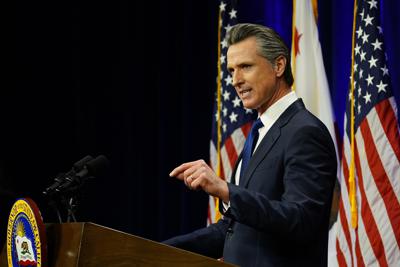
(262, 150)
(269, 140)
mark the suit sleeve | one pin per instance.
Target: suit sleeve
(207, 241)
(309, 173)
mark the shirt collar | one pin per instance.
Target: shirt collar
(275, 111)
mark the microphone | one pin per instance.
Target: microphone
(90, 169)
(66, 187)
(81, 163)
(77, 166)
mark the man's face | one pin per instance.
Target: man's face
(253, 76)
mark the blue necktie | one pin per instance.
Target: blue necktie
(249, 145)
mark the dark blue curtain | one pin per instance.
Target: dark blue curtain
(133, 80)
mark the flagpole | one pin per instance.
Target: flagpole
(293, 58)
(352, 182)
(219, 137)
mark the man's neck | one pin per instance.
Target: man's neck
(283, 89)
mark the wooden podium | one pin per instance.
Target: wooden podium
(88, 244)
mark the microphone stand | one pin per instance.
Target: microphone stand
(68, 199)
(71, 209)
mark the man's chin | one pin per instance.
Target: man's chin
(248, 105)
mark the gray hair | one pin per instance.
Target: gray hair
(270, 44)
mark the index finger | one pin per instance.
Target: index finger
(181, 168)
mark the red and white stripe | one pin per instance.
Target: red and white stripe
(376, 240)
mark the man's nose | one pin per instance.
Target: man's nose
(237, 78)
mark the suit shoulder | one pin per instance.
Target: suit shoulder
(304, 118)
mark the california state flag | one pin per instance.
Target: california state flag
(309, 75)
(308, 67)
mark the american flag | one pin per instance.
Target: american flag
(373, 237)
(231, 122)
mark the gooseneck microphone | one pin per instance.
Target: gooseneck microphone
(82, 170)
(60, 178)
(64, 194)
(91, 169)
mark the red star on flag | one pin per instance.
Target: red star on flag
(297, 37)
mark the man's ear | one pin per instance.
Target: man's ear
(280, 65)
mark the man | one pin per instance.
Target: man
(277, 212)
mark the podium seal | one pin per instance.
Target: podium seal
(26, 241)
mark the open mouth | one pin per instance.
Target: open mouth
(245, 92)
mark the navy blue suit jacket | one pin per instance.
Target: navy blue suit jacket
(279, 213)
